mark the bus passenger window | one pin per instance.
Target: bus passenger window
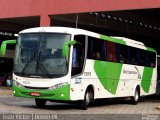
(151, 59)
(134, 56)
(96, 49)
(143, 57)
(111, 52)
(121, 58)
(123, 54)
(133, 61)
(97, 55)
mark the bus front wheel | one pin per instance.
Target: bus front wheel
(88, 98)
(40, 102)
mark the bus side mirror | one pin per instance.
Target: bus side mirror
(65, 50)
(4, 45)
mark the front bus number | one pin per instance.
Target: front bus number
(87, 73)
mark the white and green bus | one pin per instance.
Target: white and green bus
(69, 64)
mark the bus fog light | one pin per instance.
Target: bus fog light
(14, 92)
(62, 95)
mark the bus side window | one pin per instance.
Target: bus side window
(151, 59)
(143, 57)
(123, 54)
(97, 55)
(78, 55)
(134, 56)
(111, 52)
(96, 49)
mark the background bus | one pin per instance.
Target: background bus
(69, 64)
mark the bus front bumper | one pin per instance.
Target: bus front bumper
(62, 93)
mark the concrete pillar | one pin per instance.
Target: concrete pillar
(45, 21)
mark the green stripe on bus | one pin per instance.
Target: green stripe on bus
(151, 49)
(146, 78)
(109, 74)
(104, 37)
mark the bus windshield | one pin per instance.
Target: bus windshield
(40, 55)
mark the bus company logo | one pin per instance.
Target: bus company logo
(129, 72)
(132, 72)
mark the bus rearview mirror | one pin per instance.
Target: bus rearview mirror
(4, 46)
(65, 50)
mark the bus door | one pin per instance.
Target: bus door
(78, 55)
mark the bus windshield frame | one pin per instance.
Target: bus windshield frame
(40, 55)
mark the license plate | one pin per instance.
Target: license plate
(36, 94)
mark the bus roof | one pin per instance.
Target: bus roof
(129, 40)
(77, 31)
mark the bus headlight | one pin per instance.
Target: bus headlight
(18, 84)
(58, 86)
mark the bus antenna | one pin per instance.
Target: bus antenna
(77, 21)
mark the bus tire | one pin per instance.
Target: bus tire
(136, 97)
(88, 98)
(40, 102)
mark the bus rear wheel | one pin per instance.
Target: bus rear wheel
(135, 98)
(88, 98)
(40, 102)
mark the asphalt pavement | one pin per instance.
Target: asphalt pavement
(107, 109)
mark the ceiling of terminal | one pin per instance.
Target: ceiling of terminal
(142, 25)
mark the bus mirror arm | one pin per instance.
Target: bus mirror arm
(65, 50)
(4, 46)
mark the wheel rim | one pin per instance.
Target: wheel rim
(87, 98)
(136, 96)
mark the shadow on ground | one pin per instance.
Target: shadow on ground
(97, 103)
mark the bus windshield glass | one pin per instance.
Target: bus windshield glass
(40, 55)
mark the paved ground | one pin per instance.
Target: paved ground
(112, 109)
(22, 105)
(5, 91)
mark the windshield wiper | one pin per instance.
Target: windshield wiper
(30, 61)
(41, 66)
(44, 69)
(23, 70)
